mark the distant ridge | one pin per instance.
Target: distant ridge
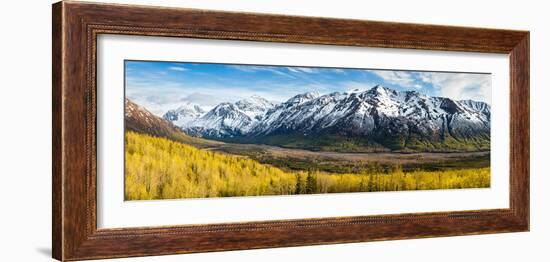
(377, 119)
(140, 120)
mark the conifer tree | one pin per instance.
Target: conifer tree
(299, 186)
(311, 183)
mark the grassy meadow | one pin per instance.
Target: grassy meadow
(158, 168)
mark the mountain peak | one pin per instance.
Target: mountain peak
(255, 106)
(223, 106)
(254, 101)
(302, 98)
(376, 114)
(354, 91)
(139, 119)
(257, 97)
(184, 114)
(313, 94)
(190, 107)
(379, 89)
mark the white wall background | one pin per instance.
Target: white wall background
(25, 130)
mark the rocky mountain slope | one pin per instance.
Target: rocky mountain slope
(229, 119)
(140, 120)
(378, 119)
(184, 114)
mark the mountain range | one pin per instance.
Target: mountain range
(378, 119)
(138, 119)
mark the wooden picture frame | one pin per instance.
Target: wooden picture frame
(76, 26)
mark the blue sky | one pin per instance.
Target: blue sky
(161, 86)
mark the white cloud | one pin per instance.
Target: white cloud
(460, 85)
(311, 70)
(178, 68)
(424, 77)
(401, 78)
(246, 68)
(160, 97)
(253, 69)
(303, 70)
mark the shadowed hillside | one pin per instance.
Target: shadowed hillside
(140, 120)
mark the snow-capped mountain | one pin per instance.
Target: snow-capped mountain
(254, 107)
(380, 118)
(378, 113)
(229, 119)
(139, 119)
(184, 114)
(302, 98)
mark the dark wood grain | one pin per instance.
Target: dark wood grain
(57, 195)
(76, 26)
(519, 129)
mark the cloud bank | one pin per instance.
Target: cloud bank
(161, 86)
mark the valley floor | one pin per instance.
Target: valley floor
(158, 168)
(338, 162)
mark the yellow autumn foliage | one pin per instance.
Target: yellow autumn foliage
(158, 168)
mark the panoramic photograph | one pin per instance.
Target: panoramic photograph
(207, 130)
